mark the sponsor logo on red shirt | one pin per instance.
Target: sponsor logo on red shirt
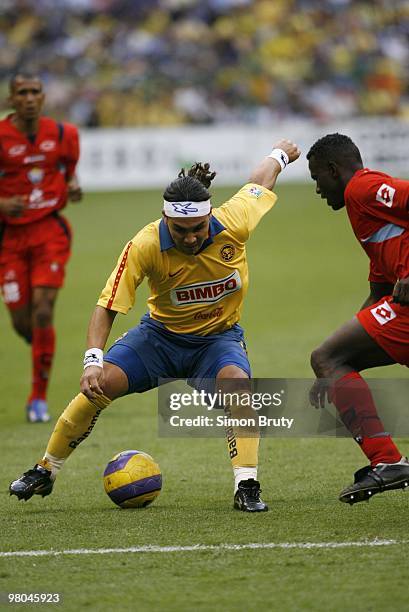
(32, 159)
(383, 313)
(385, 194)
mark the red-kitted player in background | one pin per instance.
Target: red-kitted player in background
(38, 157)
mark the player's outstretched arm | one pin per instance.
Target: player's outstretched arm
(284, 152)
(92, 380)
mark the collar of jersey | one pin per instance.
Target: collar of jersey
(166, 241)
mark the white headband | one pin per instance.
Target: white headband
(186, 209)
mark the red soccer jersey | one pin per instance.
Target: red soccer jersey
(37, 168)
(377, 206)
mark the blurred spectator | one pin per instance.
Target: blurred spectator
(167, 62)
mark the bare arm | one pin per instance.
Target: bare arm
(268, 170)
(92, 380)
(401, 292)
(377, 291)
(99, 327)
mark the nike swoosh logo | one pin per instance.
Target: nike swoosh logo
(175, 273)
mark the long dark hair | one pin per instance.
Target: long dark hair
(192, 186)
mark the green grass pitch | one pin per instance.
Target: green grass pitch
(307, 275)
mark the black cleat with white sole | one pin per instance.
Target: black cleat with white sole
(369, 481)
(37, 481)
(247, 497)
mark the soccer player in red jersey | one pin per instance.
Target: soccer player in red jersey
(377, 206)
(38, 157)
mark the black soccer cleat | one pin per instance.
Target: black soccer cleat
(247, 497)
(370, 481)
(37, 481)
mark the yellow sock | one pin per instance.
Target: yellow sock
(74, 425)
(243, 451)
(243, 443)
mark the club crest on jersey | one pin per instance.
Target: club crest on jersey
(206, 292)
(227, 252)
(383, 313)
(385, 194)
(47, 145)
(35, 175)
(185, 208)
(17, 150)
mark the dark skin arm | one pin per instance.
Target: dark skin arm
(401, 292)
(377, 291)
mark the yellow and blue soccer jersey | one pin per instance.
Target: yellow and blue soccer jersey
(197, 294)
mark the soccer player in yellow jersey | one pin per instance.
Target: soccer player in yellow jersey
(195, 261)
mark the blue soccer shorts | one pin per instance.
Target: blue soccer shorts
(149, 352)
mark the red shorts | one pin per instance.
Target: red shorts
(388, 324)
(33, 255)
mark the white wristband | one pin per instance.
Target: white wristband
(280, 156)
(94, 357)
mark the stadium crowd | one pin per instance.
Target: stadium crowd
(167, 62)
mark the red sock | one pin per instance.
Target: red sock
(42, 351)
(353, 399)
(380, 450)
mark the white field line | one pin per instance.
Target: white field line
(201, 548)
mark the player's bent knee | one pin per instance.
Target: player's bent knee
(116, 382)
(231, 371)
(316, 362)
(43, 306)
(42, 317)
(231, 378)
(323, 362)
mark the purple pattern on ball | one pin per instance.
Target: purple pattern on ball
(136, 489)
(118, 464)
